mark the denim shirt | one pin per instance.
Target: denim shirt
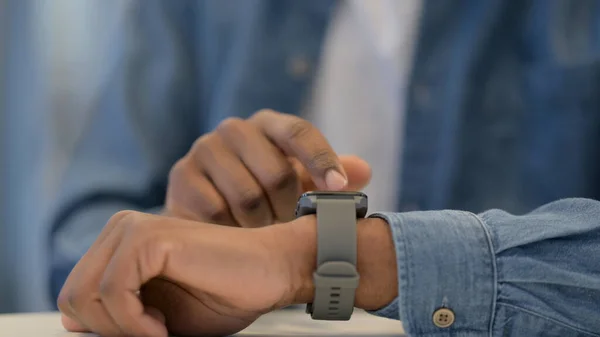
(503, 113)
(500, 274)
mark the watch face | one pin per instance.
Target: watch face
(333, 194)
(307, 203)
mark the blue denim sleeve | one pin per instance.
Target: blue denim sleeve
(140, 125)
(501, 275)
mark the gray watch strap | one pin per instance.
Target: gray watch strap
(336, 277)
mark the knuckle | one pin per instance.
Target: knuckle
(194, 204)
(213, 209)
(73, 300)
(178, 171)
(264, 113)
(70, 300)
(206, 149)
(281, 180)
(65, 300)
(200, 144)
(107, 288)
(297, 129)
(230, 125)
(121, 217)
(321, 159)
(179, 178)
(137, 229)
(250, 200)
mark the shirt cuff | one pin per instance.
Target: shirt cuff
(445, 260)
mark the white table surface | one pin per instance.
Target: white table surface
(282, 323)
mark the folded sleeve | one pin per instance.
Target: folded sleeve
(498, 274)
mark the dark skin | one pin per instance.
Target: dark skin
(197, 279)
(250, 173)
(147, 275)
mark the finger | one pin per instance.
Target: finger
(71, 298)
(357, 170)
(266, 163)
(97, 319)
(131, 266)
(72, 325)
(245, 197)
(191, 195)
(300, 139)
(156, 314)
(83, 296)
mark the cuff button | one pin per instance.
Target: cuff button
(443, 318)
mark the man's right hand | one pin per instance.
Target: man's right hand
(251, 172)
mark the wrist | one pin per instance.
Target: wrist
(376, 261)
(377, 265)
(295, 247)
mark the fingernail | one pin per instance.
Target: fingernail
(335, 180)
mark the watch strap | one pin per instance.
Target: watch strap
(336, 277)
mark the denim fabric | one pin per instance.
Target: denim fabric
(503, 275)
(502, 113)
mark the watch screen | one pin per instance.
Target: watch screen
(334, 194)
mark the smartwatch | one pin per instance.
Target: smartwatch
(336, 277)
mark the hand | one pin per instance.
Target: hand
(196, 279)
(250, 173)
(193, 278)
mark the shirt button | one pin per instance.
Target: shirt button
(443, 318)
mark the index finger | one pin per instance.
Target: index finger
(122, 279)
(298, 138)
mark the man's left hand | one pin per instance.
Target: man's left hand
(147, 274)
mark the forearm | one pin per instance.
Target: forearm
(376, 261)
(537, 270)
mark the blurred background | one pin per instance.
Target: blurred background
(501, 97)
(42, 104)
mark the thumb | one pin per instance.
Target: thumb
(357, 170)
